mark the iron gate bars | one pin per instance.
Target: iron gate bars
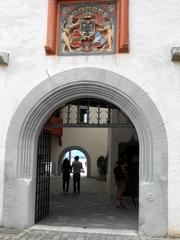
(43, 176)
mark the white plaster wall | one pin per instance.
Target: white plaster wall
(55, 149)
(1, 181)
(93, 140)
(154, 30)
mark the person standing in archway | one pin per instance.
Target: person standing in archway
(121, 179)
(76, 167)
(66, 170)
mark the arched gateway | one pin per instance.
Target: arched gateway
(36, 108)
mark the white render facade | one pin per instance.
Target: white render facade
(144, 83)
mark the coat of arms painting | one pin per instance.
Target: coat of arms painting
(87, 28)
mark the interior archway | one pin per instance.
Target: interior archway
(36, 108)
(71, 148)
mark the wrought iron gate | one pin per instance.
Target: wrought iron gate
(88, 113)
(43, 175)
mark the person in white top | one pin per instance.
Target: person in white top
(76, 168)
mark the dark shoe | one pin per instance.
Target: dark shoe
(121, 206)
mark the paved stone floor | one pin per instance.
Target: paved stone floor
(55, 235)
(92, 208)
(31, 234)
(89, 215)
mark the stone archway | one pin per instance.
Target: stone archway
(36, 108)
(76, 148)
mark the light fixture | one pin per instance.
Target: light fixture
(4, 58)
(175, 54)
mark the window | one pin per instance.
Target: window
(87, 27)
(83, 111)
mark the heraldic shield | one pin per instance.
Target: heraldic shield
(86, 28)
(87, 25)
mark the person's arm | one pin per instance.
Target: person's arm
(82, 169)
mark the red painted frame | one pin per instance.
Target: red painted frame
(51, 46)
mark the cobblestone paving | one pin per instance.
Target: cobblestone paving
(53, 235)
(38, 235)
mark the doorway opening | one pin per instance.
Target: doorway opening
(101, 130)
(31, 115)
(72, 153)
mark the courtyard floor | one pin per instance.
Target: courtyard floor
(92, 208)
(89, 215)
